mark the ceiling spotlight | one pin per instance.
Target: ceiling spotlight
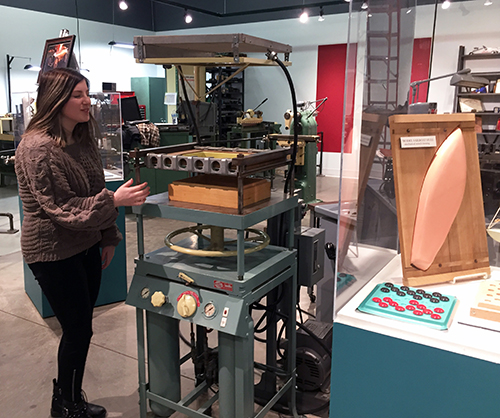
(123, 5)
(488, 3)
(321, 15)
(446, 4)
(187, 17)
(304, 16)
(364, 6)
(408, 11)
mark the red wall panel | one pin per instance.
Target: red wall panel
(331, 76)
(330, 83)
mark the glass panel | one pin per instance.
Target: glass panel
(23, 108)
(107, 113)
(380, 45)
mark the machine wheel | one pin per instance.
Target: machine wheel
(216, 247)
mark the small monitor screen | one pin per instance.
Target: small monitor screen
(130, 109)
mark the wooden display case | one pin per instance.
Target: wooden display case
(464, 253)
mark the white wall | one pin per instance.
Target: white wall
(467, 23)
(23, 33)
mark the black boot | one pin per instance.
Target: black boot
(57, 409)
(75, 409)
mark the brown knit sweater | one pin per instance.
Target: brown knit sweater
(66, 206)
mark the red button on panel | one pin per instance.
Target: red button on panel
(414, 302)
(392, 303)
(400, 308)
(383, 305)
(377, 300)
(439, 310)
(435, 316)
(410, 307)
(422, 307)
(427, 311)
(418, 313)
(387, 299)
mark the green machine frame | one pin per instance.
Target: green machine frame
(230, 285)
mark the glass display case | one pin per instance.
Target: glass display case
(400, 336)
(107, 113)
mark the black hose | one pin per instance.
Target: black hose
(289, 181)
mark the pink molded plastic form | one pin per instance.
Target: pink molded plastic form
(440, 199)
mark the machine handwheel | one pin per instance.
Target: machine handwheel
(217, 242)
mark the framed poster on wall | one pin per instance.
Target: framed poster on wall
(57, 54)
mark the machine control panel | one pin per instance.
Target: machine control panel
(187, 302)
(158, 299)
(210, 308)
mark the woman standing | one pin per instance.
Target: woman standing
(69, 233)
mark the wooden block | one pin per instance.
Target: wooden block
(222, 191)
(489, 295)
(485, 314)
(465, 250)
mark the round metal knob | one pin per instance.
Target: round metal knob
(158, 299)
(186, 305)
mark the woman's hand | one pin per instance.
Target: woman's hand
(128, 195)
(107, 255)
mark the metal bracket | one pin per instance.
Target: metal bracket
(236, 48)
(11, 222)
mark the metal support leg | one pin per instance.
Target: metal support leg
(240, 248)
(290, 292)
(140, 235)
(236, 386)
(164, 370)
(141, 358)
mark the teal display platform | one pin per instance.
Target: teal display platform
(344, 281)
(376, 376)
(410, 304)
(114, 278)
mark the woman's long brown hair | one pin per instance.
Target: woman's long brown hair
(54, 91)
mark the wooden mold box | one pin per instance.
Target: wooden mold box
(222, 191)
(464, 254)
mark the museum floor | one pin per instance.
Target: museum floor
(28, 343)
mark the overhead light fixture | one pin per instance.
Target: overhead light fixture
(364, 6)
(30, 67)
(408, 11)
(121, 45)
(321, 15)
(446, 4)
(187, 17)
(488, 3)
(123, 5)
(304, 16)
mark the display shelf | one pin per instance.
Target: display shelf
(467, 336)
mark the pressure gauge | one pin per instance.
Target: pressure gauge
(209, 310)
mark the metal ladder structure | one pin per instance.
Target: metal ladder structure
(382, 60)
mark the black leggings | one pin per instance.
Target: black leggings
(71, 287)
